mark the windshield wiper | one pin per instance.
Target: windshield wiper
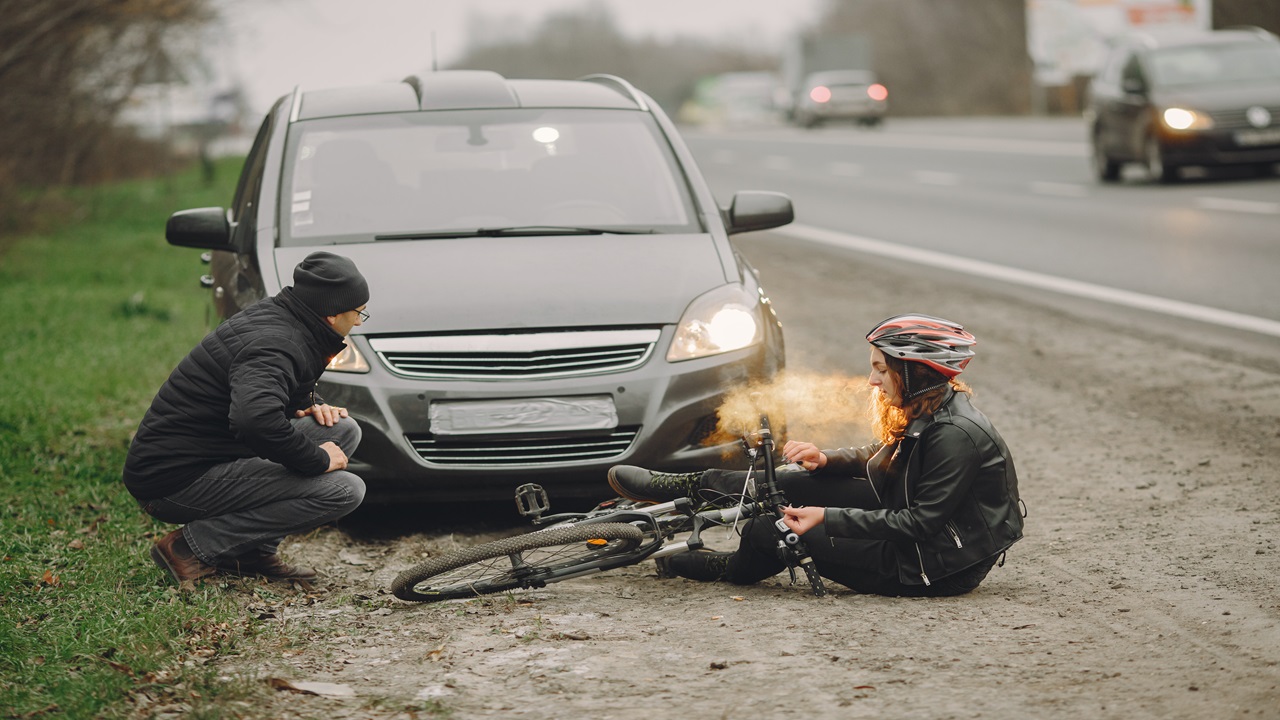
(516, 230)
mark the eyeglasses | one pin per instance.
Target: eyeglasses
(364, 316)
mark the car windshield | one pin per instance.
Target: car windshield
(432, 174)
(1216, 64)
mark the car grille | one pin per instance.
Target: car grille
(517, 355)
(1235, 119)
(522, 451)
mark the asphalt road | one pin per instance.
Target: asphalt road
(1018, 194)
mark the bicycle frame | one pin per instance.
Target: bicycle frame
(661, 522)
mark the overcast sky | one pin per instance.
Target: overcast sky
(277, 44)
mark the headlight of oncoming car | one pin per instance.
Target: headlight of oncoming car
(349, 360)
(1178, 118)
(727, 318)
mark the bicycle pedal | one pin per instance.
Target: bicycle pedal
(531, 499)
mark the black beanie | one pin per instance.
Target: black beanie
(329, 284)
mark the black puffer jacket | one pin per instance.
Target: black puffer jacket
(948, 488)
(233, 397)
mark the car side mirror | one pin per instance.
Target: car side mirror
(206, 228)
(758, 210)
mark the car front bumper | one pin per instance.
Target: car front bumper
(670, 407)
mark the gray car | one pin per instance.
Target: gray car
(1194, 98)
(553, 286)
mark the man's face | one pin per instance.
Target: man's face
(881, 380)
(343, 322)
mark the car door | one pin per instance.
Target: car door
(1132, 111)
(237, 277)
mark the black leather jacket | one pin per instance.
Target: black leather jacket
(948, 490)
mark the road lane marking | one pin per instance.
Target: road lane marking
(1012, 146)
(979, 268)
(1059, 189)
(935, 177)
(1244, 206)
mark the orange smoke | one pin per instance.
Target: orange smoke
(827, 410)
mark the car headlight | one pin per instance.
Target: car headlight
(349, 360)
(725, 319)
(1176, 118)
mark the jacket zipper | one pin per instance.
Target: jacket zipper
(955, 536)
(906, 493)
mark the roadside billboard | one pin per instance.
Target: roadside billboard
(1068, 38)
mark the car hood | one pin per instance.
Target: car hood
(480, 283)
(1221, 97)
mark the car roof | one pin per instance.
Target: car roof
(466, 90)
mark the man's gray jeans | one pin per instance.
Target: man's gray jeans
(252, 503)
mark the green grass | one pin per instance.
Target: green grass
(97, 312)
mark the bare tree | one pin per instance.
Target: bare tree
(66, 69)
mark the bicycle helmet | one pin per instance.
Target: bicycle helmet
(940, 344)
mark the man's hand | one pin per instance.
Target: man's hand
(805, 453)
(326, 415)
(337, 458)
(803, 519)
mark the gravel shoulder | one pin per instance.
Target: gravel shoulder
(1145, 587)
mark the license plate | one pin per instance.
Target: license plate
(1253, 138)
(478, 417)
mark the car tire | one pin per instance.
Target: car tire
(1104, 168)
(1158, 169)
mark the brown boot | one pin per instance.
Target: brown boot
(174, 556)
(268, 566)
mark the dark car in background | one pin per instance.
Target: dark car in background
(1204, 98)
(841, 95)
(553, 286)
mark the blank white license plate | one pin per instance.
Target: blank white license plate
(476, 417)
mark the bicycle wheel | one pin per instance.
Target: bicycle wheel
(523, 561)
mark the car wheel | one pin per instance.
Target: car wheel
(1104, 168)
(1157, 169)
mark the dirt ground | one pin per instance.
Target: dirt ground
(1145, 587)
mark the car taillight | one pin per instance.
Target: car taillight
(877, 92)
(820, 94)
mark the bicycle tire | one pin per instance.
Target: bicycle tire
(511, 563)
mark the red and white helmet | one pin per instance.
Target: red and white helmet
(941, 344)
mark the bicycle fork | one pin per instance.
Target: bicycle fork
(790, 545)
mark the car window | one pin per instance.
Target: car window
(349, 178)
(1223, 63)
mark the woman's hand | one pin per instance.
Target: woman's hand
(803, 519)
(326, 415)
(805, 453)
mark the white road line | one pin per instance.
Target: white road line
(1012, 146)
(1059, 189)
(935, 177)
(845, 169)
(1075, 288)
(1244, 206)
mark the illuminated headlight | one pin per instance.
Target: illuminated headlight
(349, 360)
(1183, 119)
(725, 319)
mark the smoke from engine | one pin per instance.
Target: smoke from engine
(827, 410)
